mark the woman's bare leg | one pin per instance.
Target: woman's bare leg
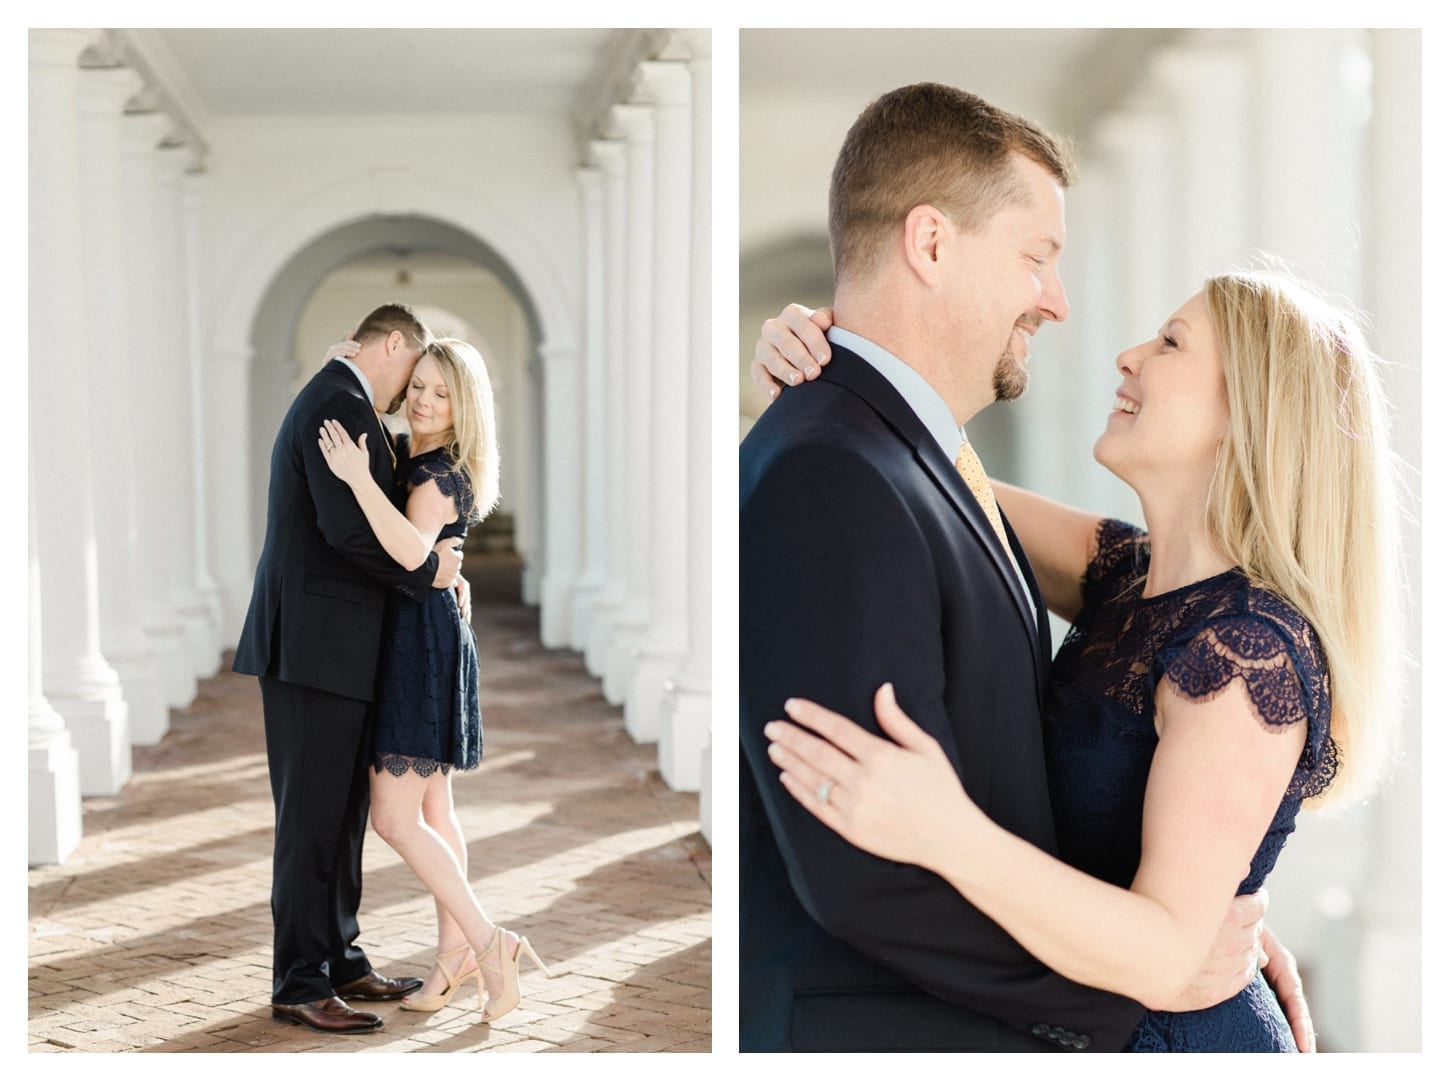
(439, 813)
(398, 819)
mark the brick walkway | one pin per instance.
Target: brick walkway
(156, 934)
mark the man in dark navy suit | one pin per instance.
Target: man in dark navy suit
(866, 556)
(312, 636)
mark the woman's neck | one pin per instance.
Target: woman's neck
(1183, 552)
(422, 444)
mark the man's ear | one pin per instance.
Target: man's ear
(923, 235)
(395, 342)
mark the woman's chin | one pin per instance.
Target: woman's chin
(1100, 453)
(1105, 454)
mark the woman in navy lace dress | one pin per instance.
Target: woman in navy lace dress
(427, 701)
(1201, 694)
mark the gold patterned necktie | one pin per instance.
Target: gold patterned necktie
(387, 440)
(970, 467)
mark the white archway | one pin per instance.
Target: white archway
(254, 328)
(390, 193)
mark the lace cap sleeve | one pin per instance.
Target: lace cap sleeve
(1121, 556)
(451, 482)
(1279, 659)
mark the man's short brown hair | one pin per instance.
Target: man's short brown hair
(390, 317)
(929, 144)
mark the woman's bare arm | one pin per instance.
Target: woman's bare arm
(1217, 778)
(408, 539)
(1059, 541)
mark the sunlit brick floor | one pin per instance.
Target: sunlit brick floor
(156, 934)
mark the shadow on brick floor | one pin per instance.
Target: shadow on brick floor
(156, 934)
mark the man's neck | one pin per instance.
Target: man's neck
(878, 319)
(375, 371)
(910, 335)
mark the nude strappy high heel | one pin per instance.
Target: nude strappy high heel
(498, 960)
(434, 1003)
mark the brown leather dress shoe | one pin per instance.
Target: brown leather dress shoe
(330, 1015)
(376, 988)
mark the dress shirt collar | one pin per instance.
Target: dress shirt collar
(929, 406)
(367, 387)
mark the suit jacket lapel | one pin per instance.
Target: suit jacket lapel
(850, 371)
(929, 454)
(385, 465)
(1043, 628)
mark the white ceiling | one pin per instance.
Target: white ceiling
(1052, 75)
(260, 73)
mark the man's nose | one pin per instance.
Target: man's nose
(1053, 303)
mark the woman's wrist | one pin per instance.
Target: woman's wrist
(963, 849)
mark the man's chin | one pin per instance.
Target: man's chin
(1011, 379)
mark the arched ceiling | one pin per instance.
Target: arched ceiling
(1054, 76)
(227, 73)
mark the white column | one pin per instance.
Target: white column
(175, 390)
(661, 647)
(592, 461)
(1130, 298)
(685, 728)
(1206, 90)
(610, 154)
(1390, 947)
(1097, 333)
(53, 778)
(637, 124)
(563, 512)
(1306, 134)
(113, 453)
(140, 135)
(78, 682)
(204, 496)
(530, 529)
(230, 457)
(1137, 140)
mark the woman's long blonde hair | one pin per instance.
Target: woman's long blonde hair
(1303, 498)
(473, 444)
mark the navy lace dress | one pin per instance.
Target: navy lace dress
(427, 700)
(1100, 737)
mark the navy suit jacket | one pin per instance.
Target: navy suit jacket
(864, 559)
(320, 591)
